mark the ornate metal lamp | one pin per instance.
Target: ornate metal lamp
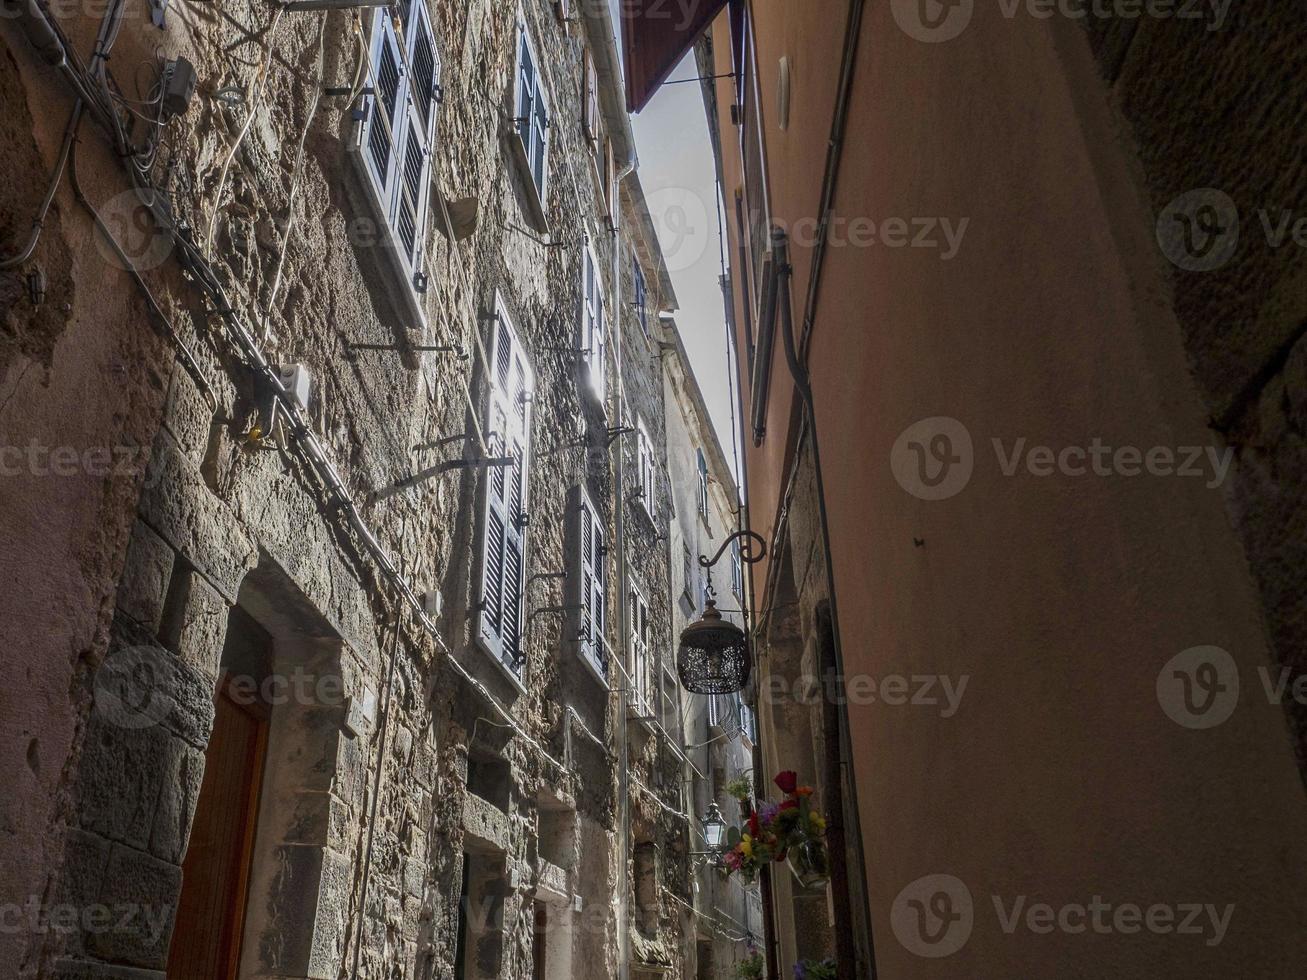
(713, 657)
(714, 835)
(714, 828)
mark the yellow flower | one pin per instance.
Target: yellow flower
(818, 821)
(746, 846)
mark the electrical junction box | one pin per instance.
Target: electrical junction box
(297, 384)
(433, 603)
(178, 87)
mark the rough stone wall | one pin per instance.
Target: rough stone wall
(1238, 130)
(656, 803)
(150, 563)
(730, 912)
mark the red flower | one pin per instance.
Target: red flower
(754, 829)
(789, 804)
(788, 781)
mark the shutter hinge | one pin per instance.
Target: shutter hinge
(438, 93)
(420, 282)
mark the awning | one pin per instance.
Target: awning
(655, 36)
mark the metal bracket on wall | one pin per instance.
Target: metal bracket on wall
(456, 349)
(620, 430)
(573, 607)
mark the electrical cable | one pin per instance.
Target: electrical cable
(260, 82)
(38, 222)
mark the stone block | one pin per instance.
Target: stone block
(143, 893)
(304, 929)
(84, 861)
(188, 415)
(144, 583)
(178, 504)
(194, 622)
(485, 826)
(119, 780)
(178, 795)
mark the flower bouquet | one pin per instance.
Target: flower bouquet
(791, 830)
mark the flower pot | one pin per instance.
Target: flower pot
(809, 862)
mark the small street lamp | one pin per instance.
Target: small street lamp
(713, 656)
(714, 835)
(714, 828)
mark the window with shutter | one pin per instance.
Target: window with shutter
(640, 297)
(641, 654)
(590, 115)
(397, 135)
(646, 470)
(593, 339)
(612, 192)
(589, 583)
(702, 464)
(687, 573)
(503, 559)
(532, 119)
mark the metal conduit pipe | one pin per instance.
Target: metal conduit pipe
(40, 33)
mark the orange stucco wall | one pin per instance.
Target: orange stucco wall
(1059, 779)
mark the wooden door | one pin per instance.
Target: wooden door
(206, 940)
(540, 941)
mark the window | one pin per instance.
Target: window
(612, 188)
(593, 339)
(714, 712)
(532, 117)
(746, 718)
(589, 588)
(737, 571)
(687, 573)
(591, 119)
(701, 462)
(508, 428)
(646, 470)
(641, 654)
(640, 296)
(398, 132)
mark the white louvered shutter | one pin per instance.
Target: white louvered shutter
(399, 128)
(591, 584)
(382, 135)
(504, 550)
(593, 340)
(641, 666)
(413, 189)
(532, 112)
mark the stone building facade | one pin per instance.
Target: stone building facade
(719, 731)
(333, 415)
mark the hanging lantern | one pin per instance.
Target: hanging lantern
(714, 828)
(713, 657)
